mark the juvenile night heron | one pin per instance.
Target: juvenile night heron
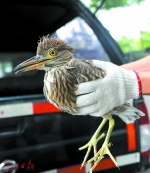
(63, 74)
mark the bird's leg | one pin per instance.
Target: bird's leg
(93, 142)
(105, 147)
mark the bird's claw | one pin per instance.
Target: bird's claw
(92, 142)
(100, 155)
(105, 147)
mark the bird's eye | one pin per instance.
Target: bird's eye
(52, 52)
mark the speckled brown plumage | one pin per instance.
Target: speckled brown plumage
(62, 90)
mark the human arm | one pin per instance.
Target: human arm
(139, 65)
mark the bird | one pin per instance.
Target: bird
(63, 74)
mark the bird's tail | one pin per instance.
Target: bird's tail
(130, 114)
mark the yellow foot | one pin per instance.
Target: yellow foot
(100, 155)
(92, 142)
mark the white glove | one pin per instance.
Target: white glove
(100, 96)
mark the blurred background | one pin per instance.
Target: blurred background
(131, 28)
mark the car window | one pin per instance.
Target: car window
(76, 33)
(79, 35)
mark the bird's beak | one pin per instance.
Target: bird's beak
(36, 62)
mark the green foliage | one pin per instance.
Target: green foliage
(113, 3)
(145, 38)
(128, 45)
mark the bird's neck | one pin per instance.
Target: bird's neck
(65, 60)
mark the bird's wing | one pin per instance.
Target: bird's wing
(127, 112)
(84, 70)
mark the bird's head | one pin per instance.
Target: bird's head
(51, 53)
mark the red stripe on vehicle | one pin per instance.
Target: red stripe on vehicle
(105, 164)
(131, 136)
(44, 107)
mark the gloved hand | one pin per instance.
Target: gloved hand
(102, 95)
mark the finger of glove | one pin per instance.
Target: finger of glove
(87, 110)
(87, 99)
(88, 87)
